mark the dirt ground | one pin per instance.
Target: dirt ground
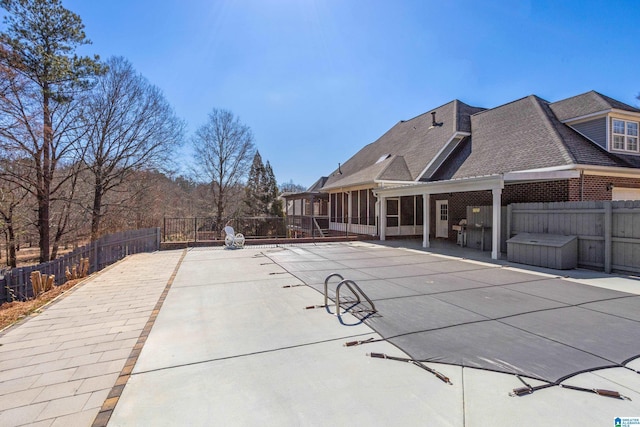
(11, 312)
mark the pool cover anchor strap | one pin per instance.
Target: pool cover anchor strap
(598, 391)
(418, 363)
(528, 389)
(360, 342)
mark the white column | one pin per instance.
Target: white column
(383, 218)
(495, 231)
(425, 220)
(350, 210)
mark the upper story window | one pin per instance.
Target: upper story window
(625, 135)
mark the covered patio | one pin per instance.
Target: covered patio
(495, 184)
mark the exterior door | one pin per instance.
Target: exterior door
(393, 212)
(442, 218)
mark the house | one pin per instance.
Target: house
(458, 166)
(307, 212)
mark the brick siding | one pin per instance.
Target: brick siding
(592, 188)
(597, 187)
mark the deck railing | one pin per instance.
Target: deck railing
(199, 229)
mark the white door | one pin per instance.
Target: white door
(393, 216)
(442, 218)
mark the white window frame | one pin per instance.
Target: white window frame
(626, 139)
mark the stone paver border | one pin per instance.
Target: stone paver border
(102, 419)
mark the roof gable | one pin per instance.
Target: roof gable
(516, 136)
(525, 135)
(396, 170)
(587, 104)
(405, 150)
(318, 184)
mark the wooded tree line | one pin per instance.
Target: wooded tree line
(87, 147)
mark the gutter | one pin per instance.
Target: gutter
(489, 182)
(588, 170)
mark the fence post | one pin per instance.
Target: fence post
(7, 284)
(195, 229)
(21, 289)
(95, 256)
(608, 219)
(509, 213)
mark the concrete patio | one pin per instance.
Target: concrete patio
(211, 336)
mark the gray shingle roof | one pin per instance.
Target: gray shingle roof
(585, 152)
(317, 185)
(397, 170)
(408, 147)
(586, 104)
(523, 135)
(515, 136)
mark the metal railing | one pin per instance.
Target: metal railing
(356, 291)
(200, 229)
(307, 226)
(205, 229)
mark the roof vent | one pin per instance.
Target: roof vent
(383, 158)
(434, 123)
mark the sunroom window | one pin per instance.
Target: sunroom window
(625, 135)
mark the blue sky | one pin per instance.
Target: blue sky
(318, 79)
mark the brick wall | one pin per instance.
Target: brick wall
(592, 188)
(548, 191)
(597, 187)
(458, 203)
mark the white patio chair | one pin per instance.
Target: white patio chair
(233, 240)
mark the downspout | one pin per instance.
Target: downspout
(349, 210)
(582, 185)
(313, 218)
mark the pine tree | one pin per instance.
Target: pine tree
(254, 191)
(38, 47)
(274, 204)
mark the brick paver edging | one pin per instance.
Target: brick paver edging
(102, 419)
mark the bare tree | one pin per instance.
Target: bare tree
(39, 97)
(291, 187)
(11, 198)
(132, 128)
(66, 207)
(223, 152)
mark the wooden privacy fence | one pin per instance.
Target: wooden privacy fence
(608, 232)
(16, 284)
